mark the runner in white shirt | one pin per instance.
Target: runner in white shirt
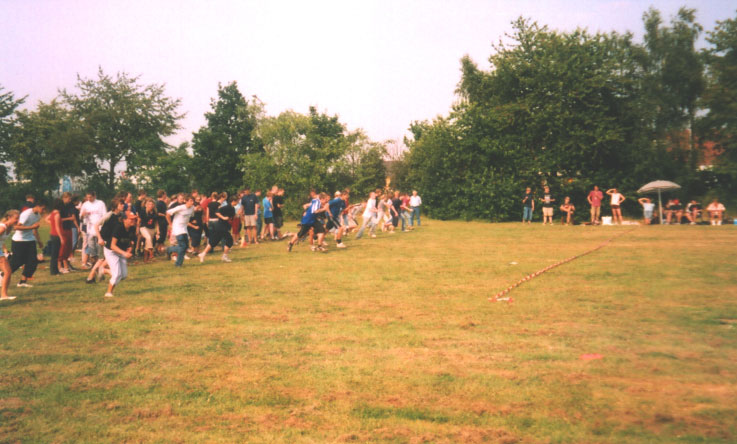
(91, 212)
(369, 216)
(178, 218)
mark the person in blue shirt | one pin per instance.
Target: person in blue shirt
(268, 215)
(336, 207)
(318, 204)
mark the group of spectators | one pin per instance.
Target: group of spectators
(109, 235)
(674, 210)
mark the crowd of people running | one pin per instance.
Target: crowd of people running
(182, 227)
(674, 211)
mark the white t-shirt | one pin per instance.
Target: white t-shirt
(27, 218)
(415, 201)
(180, 218)
(717, 207)
(370, 205)
(648, 206)
(93, 212)
(616, 198)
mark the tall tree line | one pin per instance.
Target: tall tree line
(575, 109)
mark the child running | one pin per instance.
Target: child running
(7, 224)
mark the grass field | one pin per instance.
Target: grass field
(390, 340)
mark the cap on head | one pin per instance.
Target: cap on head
(337, 193)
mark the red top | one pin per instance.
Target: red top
(596, 197)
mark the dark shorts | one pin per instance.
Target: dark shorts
(305, 228)
(219, 233)
(195, 236)
(615, 207)
(268, 220)
(332, 224)
(278, 220)
(395, 221)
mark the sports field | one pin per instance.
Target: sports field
(390, 340)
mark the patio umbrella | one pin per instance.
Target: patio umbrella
(659, 186)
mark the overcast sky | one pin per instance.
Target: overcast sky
(379, 65)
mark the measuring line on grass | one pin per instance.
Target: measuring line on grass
(529, 277)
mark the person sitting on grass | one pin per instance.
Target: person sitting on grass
(647, 209)
(568, 209)
(8, 222)
(716, 212)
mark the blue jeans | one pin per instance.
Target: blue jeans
(180, 248)
(415, 215)
(526, 214)
(405, 219)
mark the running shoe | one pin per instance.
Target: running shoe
(109, 295)
(341, 245)
(24, 285)
(9, 298)
(226, 259)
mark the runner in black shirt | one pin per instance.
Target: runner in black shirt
(220, 229)
(118, 249)
(163, 224)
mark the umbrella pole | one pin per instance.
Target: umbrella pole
(660, 208)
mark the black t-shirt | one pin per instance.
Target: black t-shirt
(107, 228)
(548, 201)
(397, 204)
(249, 202)
(528, 200)
(196, 220)
(139, 207)
(212, 208)
(226, 211)
(161, 209)
(148, 220)
(277, 200)
(125, 237)
(67, 211)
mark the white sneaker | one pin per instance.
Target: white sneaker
(373, 235)
(64, 271)
(226, 259)
(341, 245)
(173, 258)
(24, 285)
(109, 295)
(186, 258)
(9, 298)
(202, 257)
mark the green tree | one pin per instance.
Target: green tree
(126, 120)
(47, 144)
(673, 80)
(219, 146)
(719, 124)
(560, 109)
(171, 171)
(8, 105)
